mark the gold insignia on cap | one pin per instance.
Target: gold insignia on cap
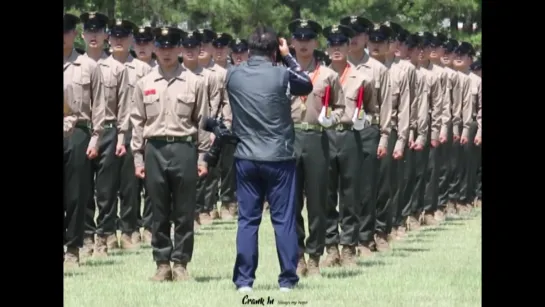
(141, 30)
(304, 23)
(377, 26)
(435, 33)
(353, 19)
(334, 29)
(421, 33)
(201, 31)
(190, 35)
(164, 31)
(118, 22)
(237, 41)
(92, 15)
(387, 24)
(219, 34)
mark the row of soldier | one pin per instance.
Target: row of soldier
(400, 148)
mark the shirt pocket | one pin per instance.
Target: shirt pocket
(185, 104)
(151, 104)
(110, 89)
(81, 91)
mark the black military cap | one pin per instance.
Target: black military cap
(357, 23)
(396, 28)
(304, 29)
(426, 38)
(381, 33)
(207, 35)
(450, 45)
(440, 37)
(121, 28)
(477, 65)
(192, 39)
(168, 36)
(143, 34)
(238, 45)
(70, 22)
(465, 48)
(403, 35)
(222, 40)
(413, 41)
(338, 34)
(93, 21)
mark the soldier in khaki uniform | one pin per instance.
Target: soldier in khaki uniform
(190, 51)
(476, 68)
(427, 161)
(207, 187)
(406, 218)
(446, 158)
(345, 152)
(239, 50)
(311, 115)
(105, 167)
(143, 45)
(169, 107)
(83, 93)
(226, 163)
(464, 115)
(121, 32)
(374, 139)
(468, 164)
(401, 81)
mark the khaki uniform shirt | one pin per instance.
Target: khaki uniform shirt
(382, 97)
(116, 93)
(83, 92)
(321, 77)
(218, 99)
(419, 123)
(402, 78)
(176, 107)
(70, 119)
(476, 98)
(448, 102)
(480, 112)
(464, 112)
(351, 81)
(213, 96)
(436, 96)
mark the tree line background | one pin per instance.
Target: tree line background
(460, 18)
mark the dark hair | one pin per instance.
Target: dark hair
(263, 41)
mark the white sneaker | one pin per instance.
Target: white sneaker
(244, 289)
(285, 289)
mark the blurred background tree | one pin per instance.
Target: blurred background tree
(459, 18)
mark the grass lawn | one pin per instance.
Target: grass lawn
(433, 267)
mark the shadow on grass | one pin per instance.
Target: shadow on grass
(219, 227)
(73, 274)
(221, 222)
(396, 252)
(341, 273)
(412, 249)
(420, 239)
(99, 262)
(369, 263)
(434, 229)
(124, 252)
(209, 278)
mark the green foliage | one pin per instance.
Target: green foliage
(239, 17)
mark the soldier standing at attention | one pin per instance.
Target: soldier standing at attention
(405, 219)
(312, 114)
(121, 32)
(401, 79)
(239, 50)
(361, 26)
(427, 199)
(190, 51)
(84, 93)
(143, 45)
(476, 68)
(374, 140)
(226, 163)
(207, 187)
(106, 166)
(345, 152)
(445, 135)
(169, 107)
(469, 154)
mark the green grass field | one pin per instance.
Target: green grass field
(434, 267)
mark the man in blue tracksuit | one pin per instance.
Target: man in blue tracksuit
(264, 158)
